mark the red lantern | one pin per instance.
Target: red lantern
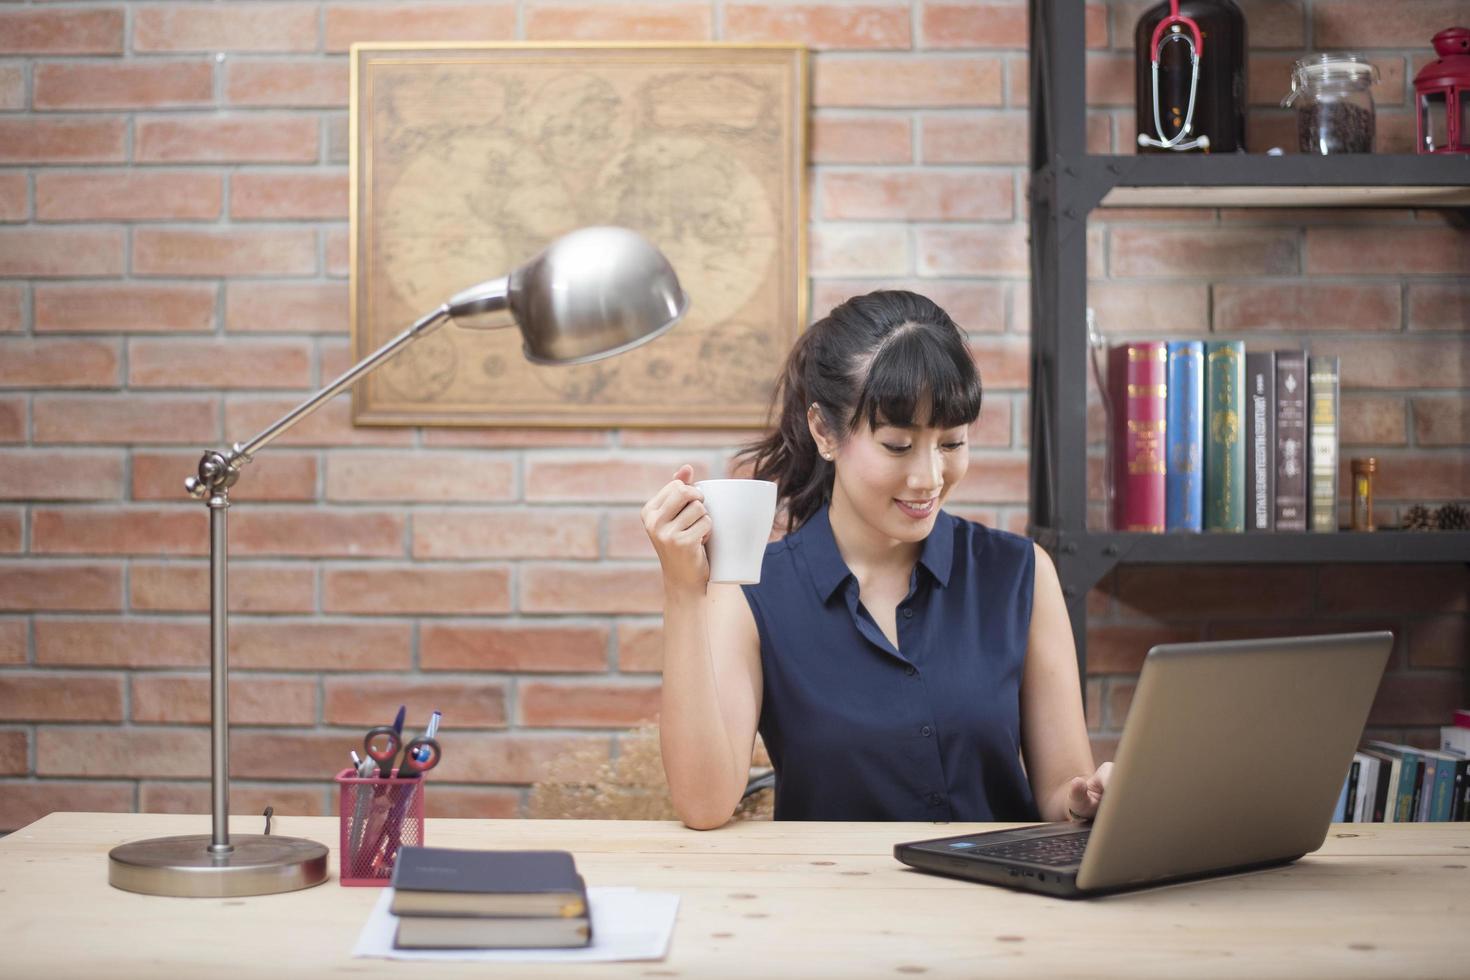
(1440, 90)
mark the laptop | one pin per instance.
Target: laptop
(1232, 759)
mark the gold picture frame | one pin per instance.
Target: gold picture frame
(468, 159)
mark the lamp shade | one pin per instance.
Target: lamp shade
(592, 293)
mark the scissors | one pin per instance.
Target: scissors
(383, 743)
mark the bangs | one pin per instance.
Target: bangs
(919, 369)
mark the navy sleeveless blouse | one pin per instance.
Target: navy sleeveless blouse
(858, 730)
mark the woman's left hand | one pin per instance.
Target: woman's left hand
(1085, 795)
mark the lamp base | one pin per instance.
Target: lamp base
(185, 867)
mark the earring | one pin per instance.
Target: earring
(827, 456)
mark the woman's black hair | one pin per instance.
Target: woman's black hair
(878, 358)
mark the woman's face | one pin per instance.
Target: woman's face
(895, 478)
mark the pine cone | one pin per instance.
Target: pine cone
(1453, 517)
(1419, 518)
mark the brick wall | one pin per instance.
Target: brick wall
(173, 192)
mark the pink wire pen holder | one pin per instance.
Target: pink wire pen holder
(378, 817)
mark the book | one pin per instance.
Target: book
(1367, 787)
(1260, 441)
(1453, 738)
(1184, 432)
(431, 881)
(491, 932)
(1347, 800)
(1137, 390)
(1386, 776)
(1424, 792)
(1441, 796)
(1291, 440)
(1224, 440)
(1322, 385)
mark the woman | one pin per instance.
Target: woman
(899, 662)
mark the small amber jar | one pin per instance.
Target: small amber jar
(1363, 470)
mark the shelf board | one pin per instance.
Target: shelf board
(1292, 181)
(1277, 547)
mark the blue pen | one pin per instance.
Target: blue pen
(433, 729)
(398, 718)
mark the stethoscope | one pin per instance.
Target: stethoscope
(1169, 29)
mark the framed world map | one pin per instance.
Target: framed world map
(467, 160)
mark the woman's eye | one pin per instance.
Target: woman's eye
(895, 449)
(952, 446)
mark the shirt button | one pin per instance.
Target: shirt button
(908, 614)
(926, 731)
(912, 671)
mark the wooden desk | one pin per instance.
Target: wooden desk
(768, 900)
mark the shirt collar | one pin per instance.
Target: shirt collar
(829, 571)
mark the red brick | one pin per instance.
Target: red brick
(1417, 698)
(12, 307)
(568, 705)
(1399, 362)
(119, 531)
(1441, 421)
(976, 307)
(910, 196)
(36, 585)
(860, 139)
(819, 26)
(276, 252)
(994, 250)
(1439, 306)
(989, 137)
(13, 641)
(347, 23)
(26, 363)
(627, 538)
(1167, 309)
(34, 474)
(225, 27)
(131, 642)
(124, 308)
(87, 30)
(462, 534)
(172, 752)
(1440, 641)
(973, 25)
(900, 81)
(1436, 476)
(312, 532)
(15, 753)
(178, 586)
(1367, 23)
(604, 588)
(683, 438)
(310, 645)
(426, 590)
(24, 803)
(1142, 251)
(272, 476)
(640, 647)
(992, 479)
(118, 419)
(61, 252)
(15, 197)
(214, 364)
(1306, 306)
(270, 196)
(122, 85)
(470, 803)
(13, 419)
(625, 22)
(1388, 251)
(254, 700)
(331, 425)
(858, 250)
(12, 87)
(1169, 593)
(129, 196)
(522, 649)
(506, 757)
(412, 476)
(286, 307)
(253, 138)
(80, 140)
(1369, 420)
(1004, 362)
(367, 700)
(160, 797)
(1120, 649)
(50, 696)
(273, 83)
(602, 480)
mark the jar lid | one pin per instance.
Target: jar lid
(1330, 67)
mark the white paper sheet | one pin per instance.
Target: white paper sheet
(627, 924)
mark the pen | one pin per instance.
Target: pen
(423, 754)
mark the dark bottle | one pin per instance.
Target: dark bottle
(1218, 121)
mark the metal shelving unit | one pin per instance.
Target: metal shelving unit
(1067, 184)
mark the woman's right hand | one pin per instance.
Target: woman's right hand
(678, 525)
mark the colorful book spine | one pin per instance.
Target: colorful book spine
(1224, 440)
(1184, 433)
(1260, 441)
(1322, 384)
(1138, 392)
(1291, 440)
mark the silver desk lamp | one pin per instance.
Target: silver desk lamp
(593, 293)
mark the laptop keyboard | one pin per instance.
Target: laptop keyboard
(1058, 851)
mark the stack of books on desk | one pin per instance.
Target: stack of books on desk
(452, 899)
(1392, 783)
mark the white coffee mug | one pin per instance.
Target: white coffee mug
(742, 512)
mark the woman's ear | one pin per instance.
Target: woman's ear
(821, 434)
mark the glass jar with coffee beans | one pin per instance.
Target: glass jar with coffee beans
(1333, 98)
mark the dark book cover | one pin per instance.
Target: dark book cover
(1224, 437)
(1322, 383)
(1291, 440)
(1184, 437)
(1137, 390)
(1382, 791)
(1350, 797)
(441, 881)
(1260, 441)
(1416, 802)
